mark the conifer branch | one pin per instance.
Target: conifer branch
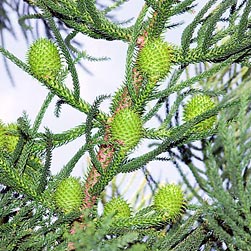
(207, 135)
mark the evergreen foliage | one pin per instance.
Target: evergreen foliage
(41, 211)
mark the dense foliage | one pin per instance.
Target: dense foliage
(202, 84)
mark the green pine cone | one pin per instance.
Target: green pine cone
(44, 59)
(69, 195)
(8, 141)
(119, 207)
(127, 128)
(170, 200)
(197, 106)
(155, 59)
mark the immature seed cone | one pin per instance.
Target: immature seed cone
(68, 195)
(155, 59)
(170, 200)
(44, 59)
(117, 206)
(8, 141)
(197, 106)
(127, 128)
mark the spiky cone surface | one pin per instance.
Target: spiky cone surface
(8, 140)
(155, 59)
(197, 106)
(68, 195)
(119, 207)
(44, 59)
(126, 128)
(170, 201)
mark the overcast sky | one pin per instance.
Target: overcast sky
(106, 77)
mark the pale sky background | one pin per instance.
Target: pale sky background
(28, 94)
